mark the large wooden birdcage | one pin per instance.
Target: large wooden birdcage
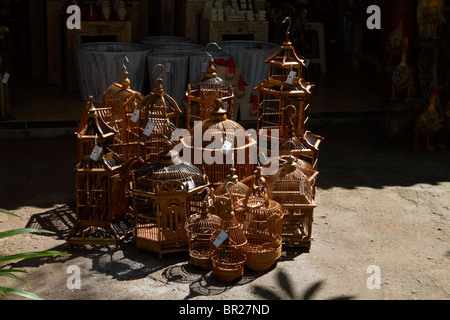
(121, 102)
(284, 86)
(293, 186)
(159, 119)
(102, 212)
(261, 219)
(227, 245)
(199, 229)
(201, 96)
(218, 144)
(165, 193)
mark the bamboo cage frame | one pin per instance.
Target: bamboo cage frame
(228, 258)
(199, 229)
(293, 186)
(201, 95)
(261, 220)
(121, 102)
(163, 200)
(102, 215)
(163, 111)
(219, 127)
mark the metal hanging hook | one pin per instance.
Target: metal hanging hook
(212, 43)
(208, 193)
(163, 69)
(228, 189)
(291, 120)
(284, 21)
(125, 60)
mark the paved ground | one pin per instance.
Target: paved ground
(381, 208)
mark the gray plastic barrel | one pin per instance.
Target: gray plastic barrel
(198, 63)
(251, 57)
(100, 64)
(174, 77)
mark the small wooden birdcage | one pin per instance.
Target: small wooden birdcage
(202, 94)
(294, 187)
(227, 244)
(283, 87)
(102, 215)
(305, 147)
(199, 229)
(262, 222)
(158, 118)
(222, 144)
(121, 103)
(237, 192)
(165, 193)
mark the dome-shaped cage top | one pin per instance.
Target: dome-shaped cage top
(294, 182)
(169, 167)
(217, 130)
(211, 81)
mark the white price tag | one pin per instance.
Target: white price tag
(307, 62)
(204, 66)
(190, 184)
(149, 129)
(220, 239)
(168, 67)
(5, 78)
(301, 188)
(291, 77)
(226, 147)
(135, 116)
(95, 155)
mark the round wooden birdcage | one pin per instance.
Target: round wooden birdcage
(158, 113)
(218, 144)
(294, 187)
(199, 229)
(165, 193)
(202, 94)
(227, 244)
(262, 222)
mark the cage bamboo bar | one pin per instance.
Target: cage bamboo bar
(199, 229)
(262, 222)
(165, 193)
(293, 186)
(227, 244)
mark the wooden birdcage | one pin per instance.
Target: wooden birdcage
(283, 87)
(121, 102)
(304, 147)
(227, 244)
(102, 213)
(218, 144)
(262, 222)
(199, 229)
(202, 94)
(293, 186)
(237, 192)
(165, 193)
(158, 118)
